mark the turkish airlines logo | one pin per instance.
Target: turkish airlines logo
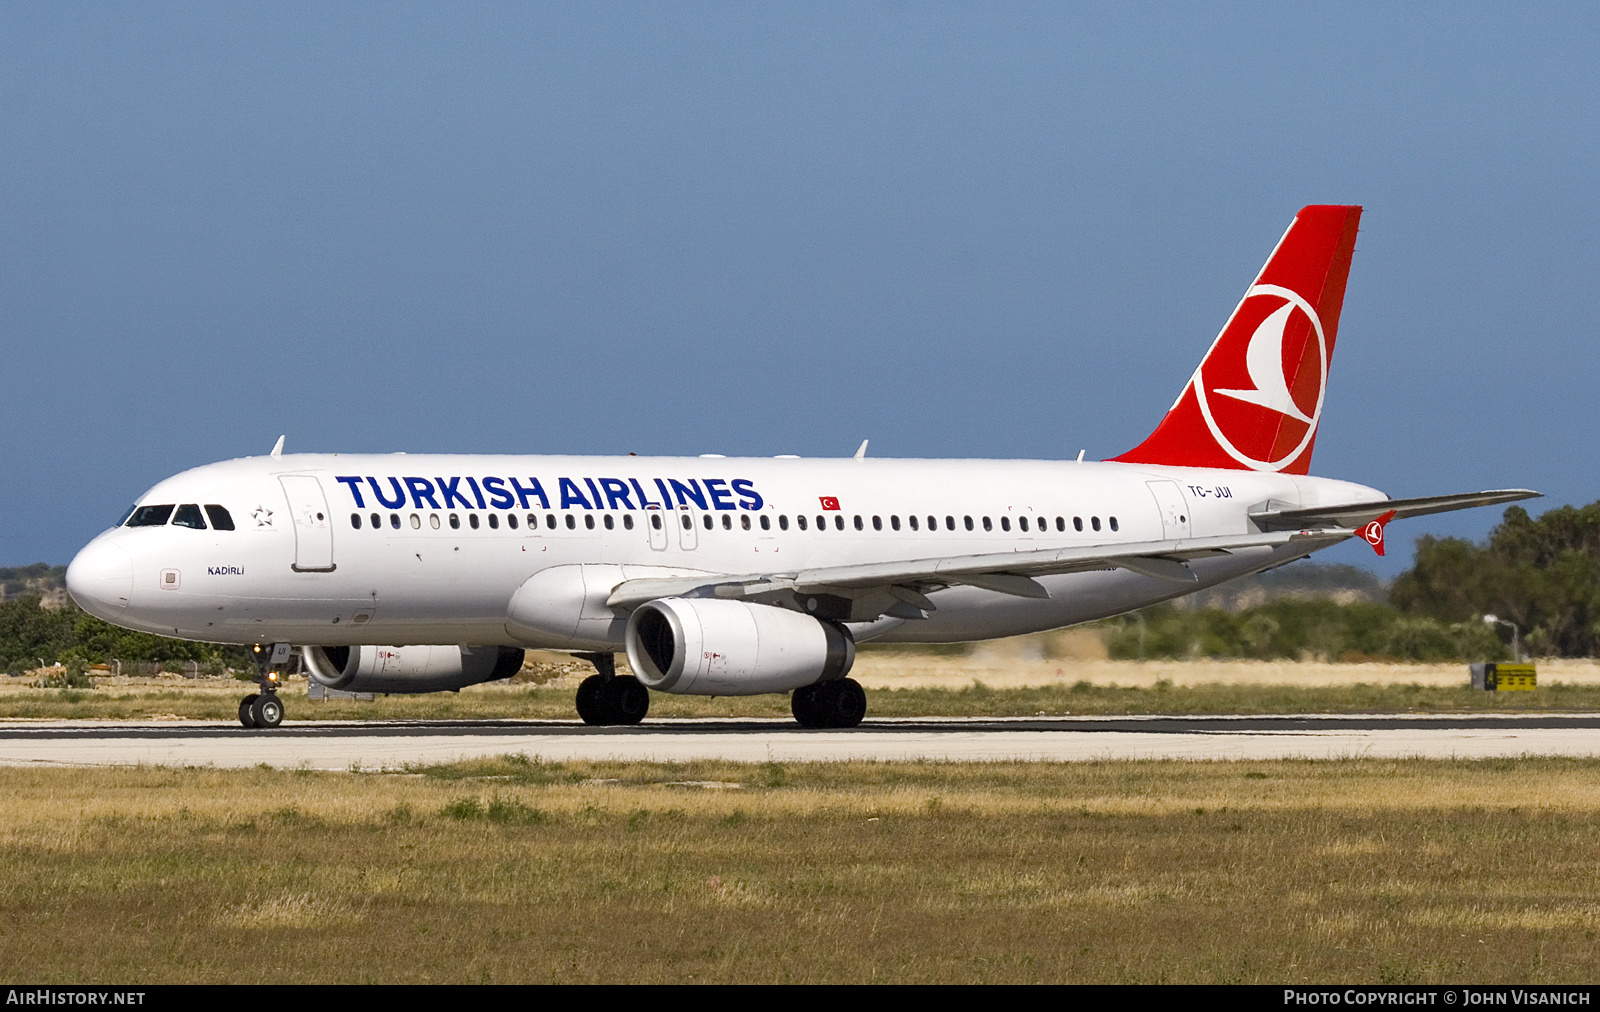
(1261, 387)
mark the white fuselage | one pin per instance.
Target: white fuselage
(457, 537)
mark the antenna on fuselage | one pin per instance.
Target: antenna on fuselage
(1080, 456)
(277, 448)
(861, 451)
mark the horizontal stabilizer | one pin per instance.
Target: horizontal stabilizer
(1355, 515)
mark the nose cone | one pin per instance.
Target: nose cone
(100, 579)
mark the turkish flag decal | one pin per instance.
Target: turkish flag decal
(829, 502)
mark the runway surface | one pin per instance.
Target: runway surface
(343, 745)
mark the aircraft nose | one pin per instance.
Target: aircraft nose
(100, 579)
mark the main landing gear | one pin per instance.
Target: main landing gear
(829, 704)
(609, 699)
(265, 709)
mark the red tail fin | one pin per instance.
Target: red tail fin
(1255, 401)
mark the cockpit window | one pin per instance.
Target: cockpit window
(188, 515)
(150, 516)
(221, 519)
(125, 515)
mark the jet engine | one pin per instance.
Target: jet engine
(707, 647)
(410, 669)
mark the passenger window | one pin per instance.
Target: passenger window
(987, 525)
(1113, 523)
(968, 521)
(1005, 523)
(188, 515)
(744, 521)
(355, 520)
(550, 520)
(687, 523)
(151, 516)
(1022, 522)
(950, 523)
(455, 522)
(1061, 523)
(655, 521)
(838, 522)
(783, 521)
(416, 522)
(859, 525)
(222, 520)
(727, 522)
(533, 521)
(494, 521)
(610, 522)
(822, 523)
(1094, 522)
(627, 521)
(708, 521)
(433, 520)
(877, 523)
(588, 521)
(912, 520)
(377, 521)
(572, 522)
(801, 521)
(766, 522)
(472, 520)
(511, 521)
(394, 521)
(1077, 523)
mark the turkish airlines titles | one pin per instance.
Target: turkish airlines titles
(581, 493)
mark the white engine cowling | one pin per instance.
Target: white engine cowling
(707, 647)
(410, 669)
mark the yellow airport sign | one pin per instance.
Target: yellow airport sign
(1504, 677)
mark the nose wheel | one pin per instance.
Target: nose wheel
(261, 711)
(264, 709)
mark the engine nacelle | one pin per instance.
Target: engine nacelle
(410, 669)
(707, 647)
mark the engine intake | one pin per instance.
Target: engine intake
(707, 647)
(411, 668)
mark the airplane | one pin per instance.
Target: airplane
(723, 576)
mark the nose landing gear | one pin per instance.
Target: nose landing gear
(265, 709)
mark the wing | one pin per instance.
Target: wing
(1354, 515)
(900, 588)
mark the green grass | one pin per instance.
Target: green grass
(977, 700)
(511, 870)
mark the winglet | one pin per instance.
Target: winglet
(277, 448)
(1372, 534)
(861, 451)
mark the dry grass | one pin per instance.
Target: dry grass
(515, 870)
(218, 700)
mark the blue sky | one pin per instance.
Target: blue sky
(959, 230)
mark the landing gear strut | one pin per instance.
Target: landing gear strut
(829, 704)
(264, 709)
(609, 699)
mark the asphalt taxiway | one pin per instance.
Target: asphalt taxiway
(343, 745)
